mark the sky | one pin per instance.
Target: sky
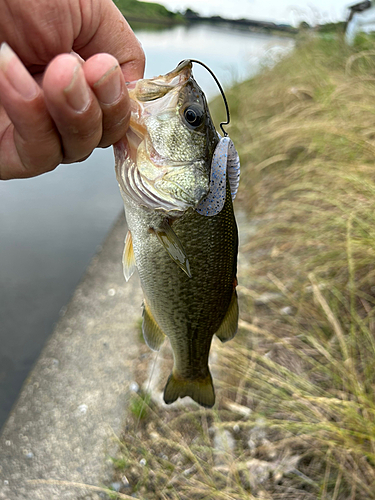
(280, 11)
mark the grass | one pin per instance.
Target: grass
(295, 417)
(148, 11)
(139, 406)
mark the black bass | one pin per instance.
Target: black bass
(182, 231)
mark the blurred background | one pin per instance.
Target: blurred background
(52, 225)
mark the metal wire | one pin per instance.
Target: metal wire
(221, 90)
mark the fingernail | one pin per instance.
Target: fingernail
(77, 92)
(80, 59)
(108, 88)
(16, 73)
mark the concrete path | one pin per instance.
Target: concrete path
(73, 403)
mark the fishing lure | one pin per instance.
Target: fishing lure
(225, 160)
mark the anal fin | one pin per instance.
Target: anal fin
(152, 333)
(200, 390)
(170, 241)
(128, 259)
(229, 325)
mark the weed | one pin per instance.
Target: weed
(295, 417)
(139, 406)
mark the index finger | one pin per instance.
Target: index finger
(104, 29)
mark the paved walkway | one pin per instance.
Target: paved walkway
(73, 402)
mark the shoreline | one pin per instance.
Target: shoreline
(252, 26)
(61, 429)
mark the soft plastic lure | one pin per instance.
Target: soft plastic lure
(225, 161)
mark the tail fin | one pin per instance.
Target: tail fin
(201, 390)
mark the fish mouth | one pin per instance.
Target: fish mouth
(144, 93)
(150, 89)
(154, 96)
(182, 70)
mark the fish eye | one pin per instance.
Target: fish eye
(194, 115)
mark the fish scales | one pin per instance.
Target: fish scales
(186, 259)
(188, 310)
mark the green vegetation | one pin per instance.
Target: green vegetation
(139, 406)
(332, 27)
(148, 15)
(147, 11)
(295, 417)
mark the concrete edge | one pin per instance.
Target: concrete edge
(74, 401)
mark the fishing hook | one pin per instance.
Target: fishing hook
(220, 88)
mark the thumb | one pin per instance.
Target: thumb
(104, 29)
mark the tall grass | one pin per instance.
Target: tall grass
(309, 177)
(296, 408)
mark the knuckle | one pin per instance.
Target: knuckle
(114, 131)
(81, 136)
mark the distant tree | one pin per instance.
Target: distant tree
(191, 14)
(304, 26)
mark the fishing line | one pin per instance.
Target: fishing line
(147, 391)
(221, 90)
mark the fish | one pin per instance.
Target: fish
(182, 237)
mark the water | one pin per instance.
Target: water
(233, 54)
(52, 225)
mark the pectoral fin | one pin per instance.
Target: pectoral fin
(152, 333)
(169, 239)
(128, 259)
(228, 327)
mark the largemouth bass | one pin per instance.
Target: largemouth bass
(182, 231)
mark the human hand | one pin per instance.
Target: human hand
(54, 106)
